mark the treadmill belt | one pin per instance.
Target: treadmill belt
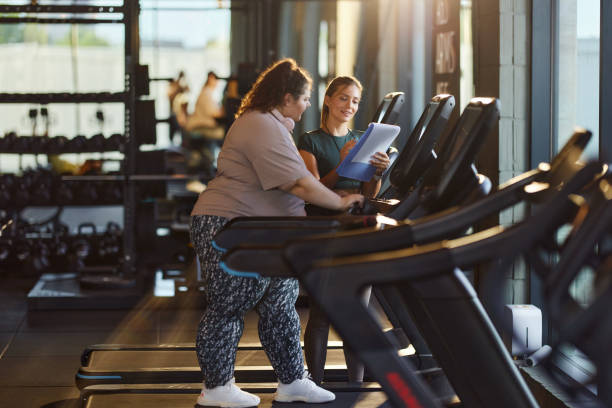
(151, 367)
(185, 395)
(109, 360)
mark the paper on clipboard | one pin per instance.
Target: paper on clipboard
(377, 138)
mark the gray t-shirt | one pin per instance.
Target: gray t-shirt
(258, 155)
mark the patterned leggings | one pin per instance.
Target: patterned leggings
(229, 298)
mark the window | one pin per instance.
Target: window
(175, 36)
(577, 63)
(58, 58)
(466, 54)
(567, 89)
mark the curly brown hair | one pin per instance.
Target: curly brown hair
(283, 77)
(339, 82)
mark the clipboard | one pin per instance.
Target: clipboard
(377, 138)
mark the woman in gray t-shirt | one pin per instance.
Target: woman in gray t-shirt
(260, 173)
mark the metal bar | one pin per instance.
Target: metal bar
(541, 115)
(37, 20)
(130, 147)
(605, 82)
(94, 178)
(231, 8)
(541, 81)
(163, 177)
(62, 97)
(81, 9)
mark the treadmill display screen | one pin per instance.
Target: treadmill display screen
(383, 109)
(468, 120)
(413, 150)
(431, 109)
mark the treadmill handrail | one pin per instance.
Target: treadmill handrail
(560, 165)
(487, 244)
(374, 239)
(441, 225)
(282, 229)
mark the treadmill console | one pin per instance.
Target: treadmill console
(454, 169)
(389, 109)
(417, 154)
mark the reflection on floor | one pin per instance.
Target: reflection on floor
(40, 350)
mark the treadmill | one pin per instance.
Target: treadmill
(100, 362)
(450, 223)
(311, 250)
(584, 330)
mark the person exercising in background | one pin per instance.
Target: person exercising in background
(203, 120)
(323, 150)
(201, 130)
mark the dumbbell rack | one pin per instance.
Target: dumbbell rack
(62, 291)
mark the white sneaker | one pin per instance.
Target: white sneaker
(227, 396)
(304, 390)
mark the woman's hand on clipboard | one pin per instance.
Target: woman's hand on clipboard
(346, 149)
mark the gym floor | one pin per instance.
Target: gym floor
(40, 350)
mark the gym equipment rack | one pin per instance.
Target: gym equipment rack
(63, 291)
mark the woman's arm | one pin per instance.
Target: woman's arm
(381, 161)
(311, 163)
(311, 190)
(331, 178)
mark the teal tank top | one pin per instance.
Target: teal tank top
(326, 149)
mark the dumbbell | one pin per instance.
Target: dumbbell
(114, 142)
(6, 142)
(3, 144)
(97, 143)
(57, 144)
(7, 181)
(23, 144)
(9, 140)
(41, 187)
(110, 245)
(40, 144)
(110, 192)
(22, 250)
(77, 144)
(64, 194)
(59, 253)
(81, 246)
(21, 194)
(85, 193)
(5, 250)
(5, 196)
(39, 258)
